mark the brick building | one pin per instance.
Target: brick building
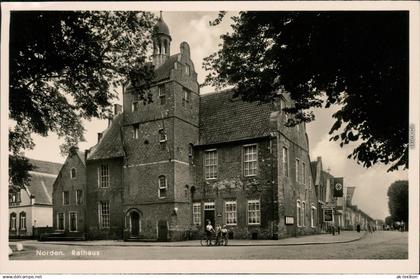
(69, 195)
(161, 169)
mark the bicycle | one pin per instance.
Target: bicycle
(214, 240)
(221, 240)
(208, 241)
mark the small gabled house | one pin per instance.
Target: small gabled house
(69, 195)
(31, 207)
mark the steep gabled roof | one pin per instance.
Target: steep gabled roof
(224, 118)
(45, 167)
(41, 187)
(81, 156)
(110, 145)
(42, 178)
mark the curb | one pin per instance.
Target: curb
(229, 245)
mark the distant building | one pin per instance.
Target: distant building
(161, 170)
(327, 204)
(31, 207)
(337, 211)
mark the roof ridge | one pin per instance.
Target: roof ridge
(43, 161)
(216, 92)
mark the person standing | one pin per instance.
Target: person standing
(209, 231)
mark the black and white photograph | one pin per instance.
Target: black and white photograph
(160, 132)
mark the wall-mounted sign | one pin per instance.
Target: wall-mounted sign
(328, 215)
(289, 220)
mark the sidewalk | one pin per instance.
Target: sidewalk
(344, 237)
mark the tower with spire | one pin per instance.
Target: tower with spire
(158, 139)
(161, 42)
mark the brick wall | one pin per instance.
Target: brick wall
(241, 189)
(113, 194)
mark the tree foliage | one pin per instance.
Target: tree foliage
(357, 60)
(398, 200)
(65, 67)
(19, 167)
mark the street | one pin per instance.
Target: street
(379, 245)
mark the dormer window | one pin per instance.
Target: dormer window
(162, 94)
(73, 173)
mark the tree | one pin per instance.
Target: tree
(398, 200)
(357, 60)
(65, 67)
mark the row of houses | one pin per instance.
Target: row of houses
(162, 170)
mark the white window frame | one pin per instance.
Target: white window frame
(210, 164)
(136, 131)
(162, 94)
(64, 197)
(228, 214)
(22, 220)
(209, 206)
(75, 214)
(247, 163)
(71, 173)
(303, 210)
(103, 176)
(313, 211)
(285, 161)
(58, 221)
(186, 98)
(197, 213)
(160, 187)
(256, 211)
(298, 213)
(107, 224)
(78, 196)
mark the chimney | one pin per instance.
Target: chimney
(99, 137)
(117, 109)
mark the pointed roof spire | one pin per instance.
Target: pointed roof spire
(162, 27)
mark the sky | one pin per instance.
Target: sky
(193, 27)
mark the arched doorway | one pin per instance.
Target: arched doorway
(134, 223)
